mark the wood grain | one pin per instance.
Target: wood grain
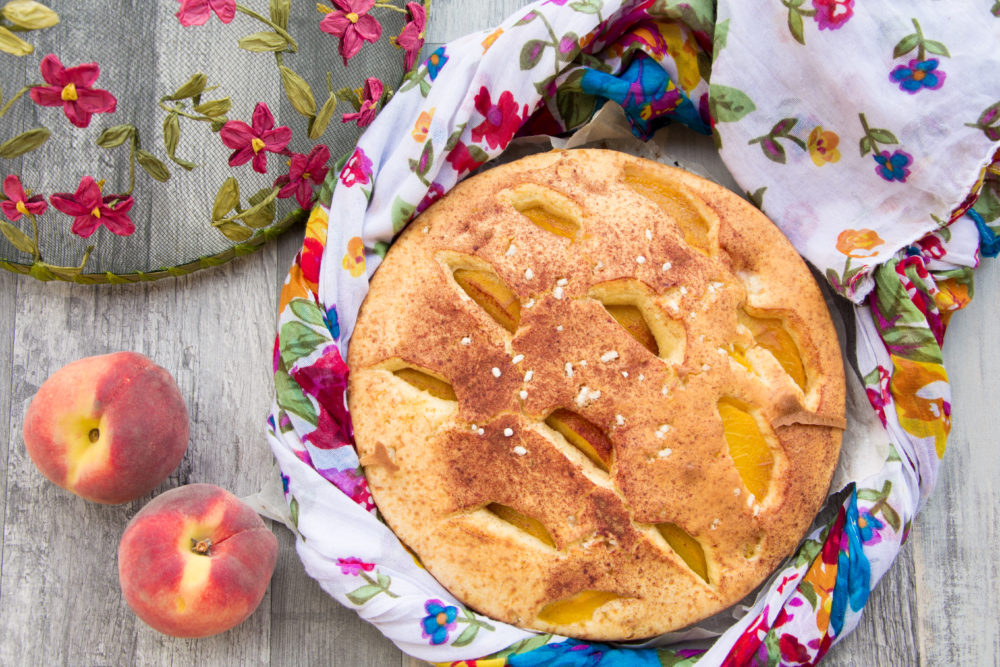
(59, 595)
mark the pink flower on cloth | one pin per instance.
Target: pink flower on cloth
(369, 103)
(352, 24)
(501, 118)
(411, 39)
(70, 88)
(358, 169)
(18, 203)
(91, 210)
(354, 566)
(304, 172)
(254, 142)
(197, 12)
(832, 14)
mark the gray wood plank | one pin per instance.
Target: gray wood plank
(8, 296)
(60, 601)
(957, 534)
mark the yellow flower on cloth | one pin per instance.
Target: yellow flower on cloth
(858, 242)
(422, 126)
(916, 387)
(354, 260)
(303, 277)
(823, 146)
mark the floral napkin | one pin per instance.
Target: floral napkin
(783, 135)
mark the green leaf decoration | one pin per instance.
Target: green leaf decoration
(14, 45)
(363, 594)
(757, 197)
(40, 271)
(807, 552)
(468, 634)
(152, 165)
(293, 510)
(884, 136)
(24, 142)
(298, 92)
(381, 248)
(234, 231)
(307, 311)
(423, 164)
(298, 340)
(261, 211)
(523, 646)
(729, 104)
(865, 146)
(29, 15)
(319, 122)
(17, 238)
(808, 592)
(279, 12)
(586, 6)
(263, 42)
(171, 133)
(527, 18)
(401, 213)
(214, 108)
(478, 154)
(574, 106)
(532, 52)
(795, 26)
(290, 398)
(890, 516)
(226, 199)
(194, 86)
(937, 48)
(721, 35)
(383, 580)
(905, 45)
(115, 136)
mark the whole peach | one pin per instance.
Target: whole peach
(195, 561)
(108, 428)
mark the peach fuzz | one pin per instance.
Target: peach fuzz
(195, 561)
(108, 428)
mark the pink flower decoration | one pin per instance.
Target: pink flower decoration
(17, 202)
(70, 88)
(304, 172)
(354, 566)
(352, 24)
(91, 210)
(357, 169)
(369, 103)
(411, 39)
(832, 14)
(501, 119)
(197, 12)
(254, 142)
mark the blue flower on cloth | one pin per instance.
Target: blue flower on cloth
(893, 166)
(440, 620)
(647, 94)
(917, 75)
(853, 583)
(572, 653)
(869, 525)
(436, 61)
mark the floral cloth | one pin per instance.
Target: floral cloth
(219, 115)
(466, 103)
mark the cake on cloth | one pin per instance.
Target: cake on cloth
(597, 396)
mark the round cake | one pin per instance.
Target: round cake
(597, 396)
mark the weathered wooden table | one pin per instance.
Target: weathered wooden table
(59, 596)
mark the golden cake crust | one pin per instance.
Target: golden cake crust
(455, 474)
